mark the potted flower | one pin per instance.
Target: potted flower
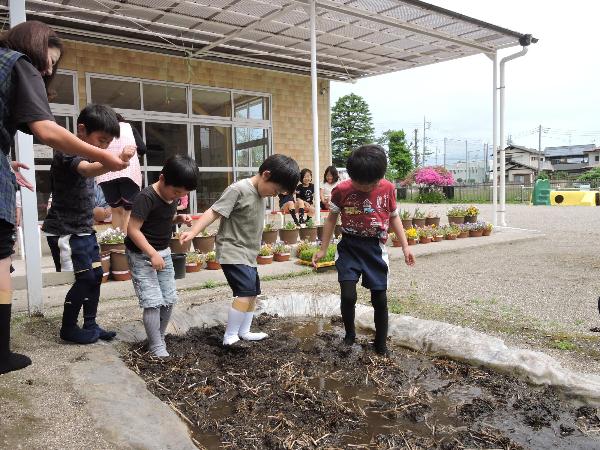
(476, 229)
(405, 218)
(204, 242)
(463, 231)
(418, 218)
(471, 214)
(178, 247)
(309, 231)
(289, 233)
(269, 235)
(432, 218)
(211, 261)
(265, 255)
(437, 233)
(457, 214)
(281, 252)
(396, 242)
(424, 236)
(452, 232)
(302, 245)
(411, 235)
(111, 239)
(487, 230)
(193, 261)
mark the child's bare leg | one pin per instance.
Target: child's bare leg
(244, 331)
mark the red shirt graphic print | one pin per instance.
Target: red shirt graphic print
(365, 213)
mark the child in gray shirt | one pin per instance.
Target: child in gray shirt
(241, 209)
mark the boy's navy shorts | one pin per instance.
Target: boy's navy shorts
(361, 256)
(243, 280)
(73, 253)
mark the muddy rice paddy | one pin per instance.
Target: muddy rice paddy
(303, 388)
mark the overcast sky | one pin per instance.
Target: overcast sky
(555, 85)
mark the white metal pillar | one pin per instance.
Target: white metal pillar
(502, 89)
(31, 231)
(315, 110)
(494, 58)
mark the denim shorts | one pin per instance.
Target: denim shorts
(153, 288)
(243, 280)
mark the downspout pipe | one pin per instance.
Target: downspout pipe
(525, 41)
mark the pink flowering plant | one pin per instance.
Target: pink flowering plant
(430, 176)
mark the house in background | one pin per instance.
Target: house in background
(522, 164)
(569, 159)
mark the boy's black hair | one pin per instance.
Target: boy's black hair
(304, 172)
(334, 173)
(181, 171)
(284, 171)
(99, 118)
(367, 164)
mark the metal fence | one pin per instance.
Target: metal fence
(482, 192)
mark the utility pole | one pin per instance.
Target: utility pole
(485, 162)
(416, 148)
(539, 149)
(424, 142)
(445, 152)
(436, 155)
(467, 155)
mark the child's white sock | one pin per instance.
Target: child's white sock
(235, 318)
(245, 329)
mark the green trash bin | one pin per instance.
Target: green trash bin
(541, 192)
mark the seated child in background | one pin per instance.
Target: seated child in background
(367, 204)
(149, 231)
(241, 210)
(330, 180)
(70, 220)
(305, 193)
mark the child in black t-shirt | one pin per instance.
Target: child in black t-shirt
(69, 224)
(153, 214)
(305, 195)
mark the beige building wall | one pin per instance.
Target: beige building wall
(291, 94)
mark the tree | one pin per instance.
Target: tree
(399, 157)
(351, 127)
(592, 175)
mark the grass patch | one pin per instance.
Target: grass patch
(287, 276)
(208, 284)
(564, 344)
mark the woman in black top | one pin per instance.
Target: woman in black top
(29, 55)
(305, 193)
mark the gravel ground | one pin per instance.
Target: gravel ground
(539, 294)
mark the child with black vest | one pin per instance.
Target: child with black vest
(69, 225)
(367, 204)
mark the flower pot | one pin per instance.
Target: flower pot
(397, 243)
(320, 232)
(308, 234)
(412, 241)
(418, 223)
(111, 247)
(290, 237)
(486, 232)
(177, 247)
(337, 231)
(192, 267)
(281, 257)
(463, 234)
(105, 261)
(269, 237)
(456, 219)
(475, 233)
(204, 244)
(213, 265)
(119, 266)
(179, 265)
(432, 221)
(407, 223)
(438, 238)
(470, 219)
(425, 240)
(451, 237)
(262, 260)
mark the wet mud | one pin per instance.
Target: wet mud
(303, 388)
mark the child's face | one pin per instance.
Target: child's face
(267, 188)
(329, 177)
(364, 187)
(96, 138)
(170, 193)
(307, 178)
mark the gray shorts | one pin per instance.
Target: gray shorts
(153, 288)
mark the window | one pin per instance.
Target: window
(164, 98)
(597, 158)
(210, 187)
(116, 93)
(251, 146)
(211, 103)
(62, 89)
(251, 107)
(212, 146)
(164, 140)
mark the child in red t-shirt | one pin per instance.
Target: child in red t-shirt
(367, 204)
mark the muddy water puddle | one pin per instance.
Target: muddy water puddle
(303, 388)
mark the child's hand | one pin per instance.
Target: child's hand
(113, 163)
(185, 219)
(158, 263)
(127, 153)
(186, 236)
(409, 258)
(317, 256)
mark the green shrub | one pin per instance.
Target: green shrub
(431, 197)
